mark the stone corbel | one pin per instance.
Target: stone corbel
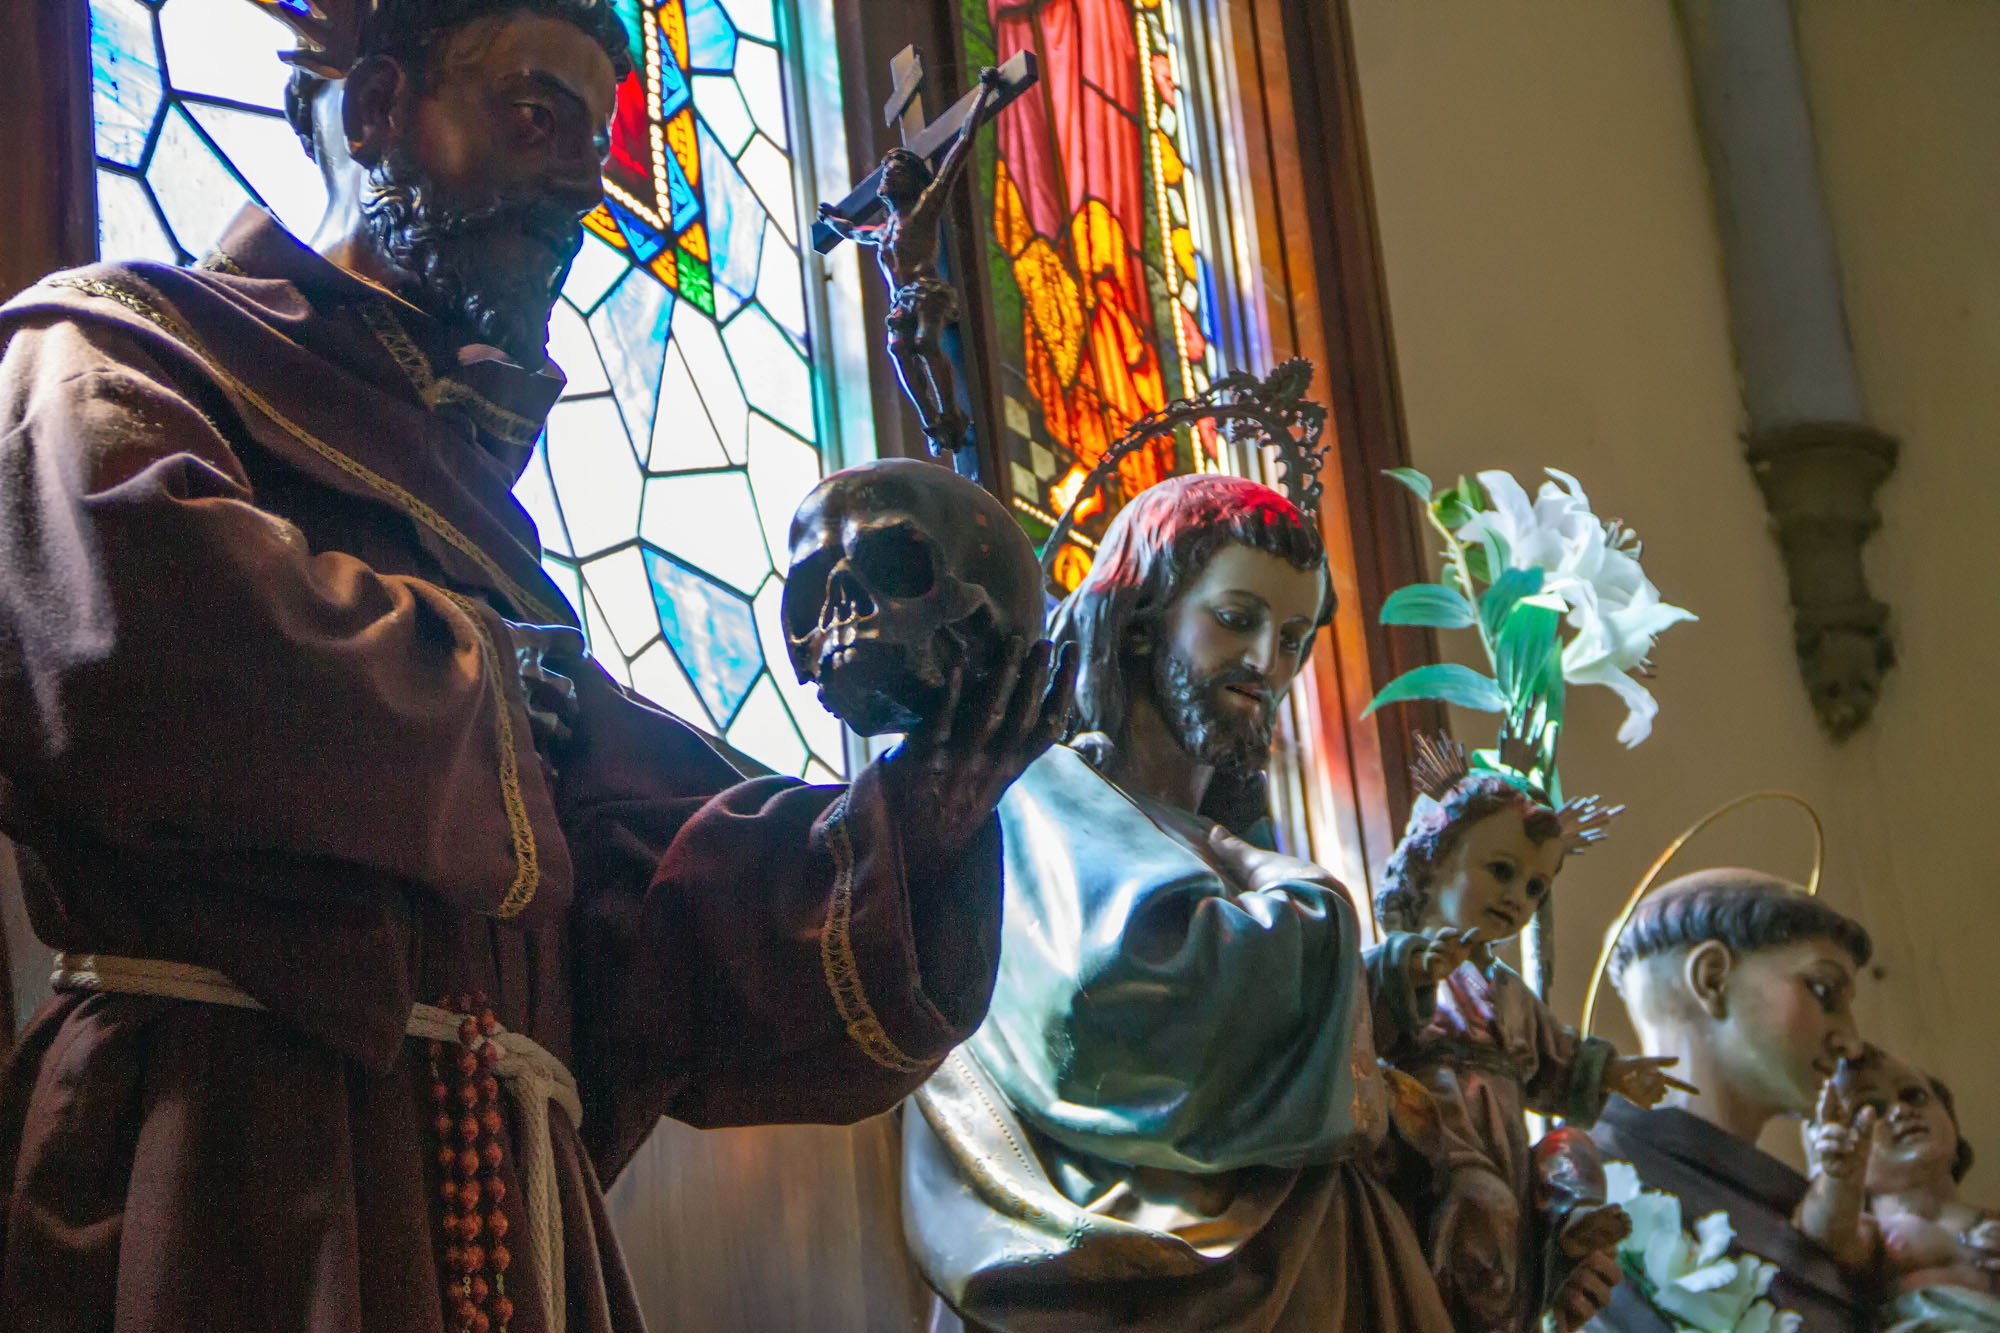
(1819, 480)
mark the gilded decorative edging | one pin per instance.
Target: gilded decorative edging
(527, 861)
(836, 956)
(512, 427)
(140, 305)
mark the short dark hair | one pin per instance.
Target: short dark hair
(1156, 546)
(1747, 910)
(406, 30)
(1434, 832)
(1961, 1161)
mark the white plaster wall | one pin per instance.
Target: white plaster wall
(1556, 297)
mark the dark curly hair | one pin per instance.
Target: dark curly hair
(1433, 834)
(1153, 550)
(1747, 910)
(406, 30)
(1961, 1161)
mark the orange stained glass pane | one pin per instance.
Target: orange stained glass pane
(1099, 241)
(1070, 565)
(666, 268)
(674, 28)
(695, 241)
(600, 221)
(1171, 166)
(1054, 305)
(1183, 244)
(1010, 218)
(680, 138)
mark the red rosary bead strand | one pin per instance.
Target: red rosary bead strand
(475, 1290)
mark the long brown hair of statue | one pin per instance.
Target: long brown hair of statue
(1153, 550)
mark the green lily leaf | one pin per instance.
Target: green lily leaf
(1529, 637)
(1498, 601)
(1413, 479)
(1448, 681)
(1431, 605)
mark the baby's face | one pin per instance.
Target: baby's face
(1914, 1136)
(1495, 878)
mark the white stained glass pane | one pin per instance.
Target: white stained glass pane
(769, 172)
(595, 270)
(565, 577)
(196, 193)
(659, 677)
(683, 436)
(753, 18)
(266, 153)
(127, 227)
(822, 730)
(779, 290)
(762, 80)
(575, 352)
(226, 50)
(782, 469)
(125, 79)
(714, 377)
(721, 105)
(539, 499)
(819, 775)
(595, 476)
(708, 520)
(625, 595)
(603, 643)
(764, 731)
(775, 377)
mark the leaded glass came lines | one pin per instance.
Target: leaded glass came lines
(688, 432)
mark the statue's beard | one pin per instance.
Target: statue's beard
(465, 260)
(1215, 732)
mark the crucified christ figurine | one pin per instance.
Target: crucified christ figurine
(921, 304)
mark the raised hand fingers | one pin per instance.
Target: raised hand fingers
(997, 693)
(1829, 1108)
(1058, 701)
(1024, 708)
(936, 733)
(1679, 1085)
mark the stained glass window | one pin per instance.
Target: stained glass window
(667, 477)
(1103, 290)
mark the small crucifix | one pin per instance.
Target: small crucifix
(896, 212)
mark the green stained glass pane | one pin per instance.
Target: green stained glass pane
(694, 282)
(125, 79)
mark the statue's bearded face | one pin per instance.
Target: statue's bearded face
(1227, 651)
(477, 199)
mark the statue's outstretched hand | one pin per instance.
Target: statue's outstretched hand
(1443, 953)
(953, 770)
(1643, 1079)
(1587, 1290)
(1839, 1138)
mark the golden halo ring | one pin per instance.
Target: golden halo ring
(1665, 858)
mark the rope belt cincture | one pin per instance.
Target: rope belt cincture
(532, 1077)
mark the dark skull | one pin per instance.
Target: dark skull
(900, 571)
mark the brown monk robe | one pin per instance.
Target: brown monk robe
(256, 543)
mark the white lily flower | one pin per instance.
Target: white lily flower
(1594, 567)
(1694, 1280)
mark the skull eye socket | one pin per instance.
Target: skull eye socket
(895, 561)
(805, 590)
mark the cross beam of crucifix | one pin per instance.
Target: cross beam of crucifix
(863, 206)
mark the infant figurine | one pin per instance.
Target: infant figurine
(1511, 1233)
(1886, 1160)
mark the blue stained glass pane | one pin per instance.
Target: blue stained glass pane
(753, 18)
(674, 90)
(682, 206)
(125, 77)
(711, 37)
(735, 227)
(631, 328)
(645, 241)
(721, 104)
(712, 632)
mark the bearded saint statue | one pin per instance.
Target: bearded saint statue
(1166, 1118)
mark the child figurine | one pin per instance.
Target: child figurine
(1511, 1233)
(1886, 1160)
